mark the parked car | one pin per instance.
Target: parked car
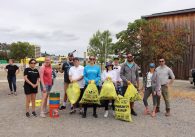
(192, 76)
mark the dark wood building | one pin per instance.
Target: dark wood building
(184, 18)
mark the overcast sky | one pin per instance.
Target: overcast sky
(61, 26)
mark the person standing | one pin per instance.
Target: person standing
(91, 73)
(76, 75)
(109, 74)
(31, 77)
(12, 70)
(117, 69)
(46, 84)
(65, 68)
(164, 73)
(130, 75)
(151, 85)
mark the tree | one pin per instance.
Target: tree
(149, 40)
(21, 50)
(100, 45)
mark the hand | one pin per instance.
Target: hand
(34, 85)
(44, 89)
(129, 82)
(159, 93)
(89, 81)
(108, 78)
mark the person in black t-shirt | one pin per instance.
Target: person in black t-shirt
(31, 77)
(12, 70)
(65, 68)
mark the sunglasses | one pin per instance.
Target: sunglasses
(91, 58)
(161, 61)
(129, 56)
(33, 63)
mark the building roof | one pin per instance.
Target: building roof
(192, 10)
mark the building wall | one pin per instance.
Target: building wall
(181, 70)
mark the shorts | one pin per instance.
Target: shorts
(30, 90)
(48, 88)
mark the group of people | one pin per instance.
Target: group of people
(155, 83)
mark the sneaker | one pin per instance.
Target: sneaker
(157, 109)
(133, 112)
(28, 114)
(95, 115)
(83, 115)
(113, 113)
(80, 111)
(62, 107)
(11, 93)
(153, 114)
(106, 114)
(72, 111)
(46, 112)
(167, 114)
(15, 93)
(34, 114)
(146, 112)
(42, 115)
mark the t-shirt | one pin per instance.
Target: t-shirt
(149, 80)
(46, 72)
(11, 70)
(77, 72)
(32, 75)
(92, 73)
(66, 67)
(111, 74)
(117, 69)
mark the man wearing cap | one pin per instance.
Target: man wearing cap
(130, 75)
(65, 68)
(164, 72)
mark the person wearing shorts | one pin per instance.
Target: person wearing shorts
(46, 84)
(31, 77)
(65, 68)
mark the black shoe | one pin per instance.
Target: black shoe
(157, 109)
(34, 114)
(62, 107)
(72, 111)
(11, 93)
(28, 114)
(95, 115)
(133, 112)
(83, 115)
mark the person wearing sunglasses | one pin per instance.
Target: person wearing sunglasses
(109, 74)
(130, 75)
(31, 77)
(91, 73)
(46, 84)
(151, 85)
(164, 73)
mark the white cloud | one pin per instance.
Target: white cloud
(60, 26)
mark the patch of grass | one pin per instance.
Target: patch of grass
(182, 94)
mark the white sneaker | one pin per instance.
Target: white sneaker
(106, 114)
(42, 115)
(113, 113)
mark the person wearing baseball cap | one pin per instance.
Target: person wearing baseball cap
(65, 68)
(151, 86)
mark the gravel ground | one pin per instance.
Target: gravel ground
(13, 122)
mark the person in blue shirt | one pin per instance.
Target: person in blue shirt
(91, 73)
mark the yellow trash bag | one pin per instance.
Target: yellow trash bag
(108, 91)
(132, 93)
(73, 92)
(122, 109)
(91, 94)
